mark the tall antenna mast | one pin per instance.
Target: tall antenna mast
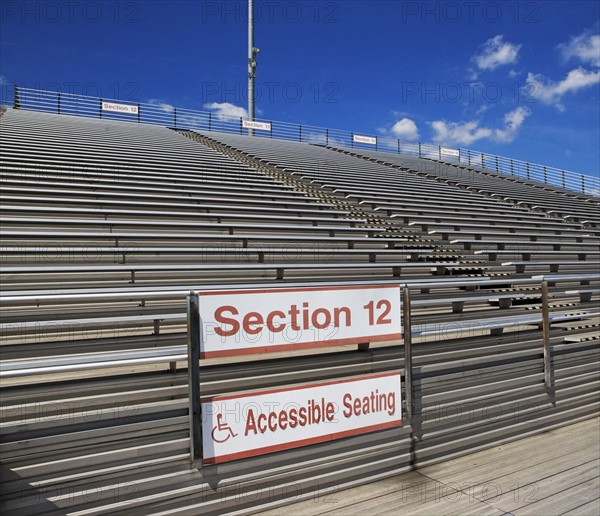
(252, 51)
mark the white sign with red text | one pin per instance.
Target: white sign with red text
(120, 108)
(357, 138)
(246, 425)
(237, 322)
(444, 151)
(253, 124)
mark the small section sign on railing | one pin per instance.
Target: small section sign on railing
(253, 124)
(445, 151)
(357, 138)
(119, 108)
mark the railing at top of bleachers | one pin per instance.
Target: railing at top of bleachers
(169, 116)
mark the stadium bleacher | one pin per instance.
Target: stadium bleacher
(545, 198)
(108, 225)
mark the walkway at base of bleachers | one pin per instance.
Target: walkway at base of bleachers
(554, 473)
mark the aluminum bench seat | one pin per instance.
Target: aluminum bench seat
(526, 254)
(427, 220)
(225, 183)
(85, 361)
(120, 185)
(119, 237)
(409, 212)
(260, 254)
(522, 236)
(466, 227)
(497, 325)
(133, 293)
(399, 202)
(585, 295)
(554, 265)
(162, 215)
(279, 211)
(280, 268)
(504, 300)
(501, 244)
(350, 241)
(185, 196)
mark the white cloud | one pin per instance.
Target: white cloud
(496, 52)
(163, 106)
(483, 109)
(466, 133)
(513, 73)
(405, 129)
(512, 121)
(459, 133)
(226, 109)
(3, 80)
(551, 92)
(585, 47)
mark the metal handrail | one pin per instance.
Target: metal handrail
(173, 354)
(181, 118)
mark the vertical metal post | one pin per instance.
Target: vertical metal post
(482, 160)
(352, 140)
(252, 51)
(195, 416)
(271, 132)
(251, 68)
(16, 103)
(563, 178)
(545, 176)
(440, 152)
(326, 136)
(497, 169)
(419, 149)
(300, 133)
(407, 330)
(139, 113)
(582, 184)
(546, 337)
(175, 117)
(210, 121)
(58, 104)
(241, 124)
(469, 157)
(398, 145)
(527, 169)
(100, 107)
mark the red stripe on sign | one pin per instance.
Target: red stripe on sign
(210, 399)
(306, 289)
(299, 346)
(303, 442)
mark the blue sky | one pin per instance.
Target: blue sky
(518, 79)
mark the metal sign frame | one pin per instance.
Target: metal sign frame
(194, 358)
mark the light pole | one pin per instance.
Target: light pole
(252, 51)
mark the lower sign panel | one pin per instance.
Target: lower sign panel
(240, 426)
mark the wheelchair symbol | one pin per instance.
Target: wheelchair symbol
(222, 427)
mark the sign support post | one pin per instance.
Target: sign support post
(193, 322)
(548, 376)
(407, 336)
